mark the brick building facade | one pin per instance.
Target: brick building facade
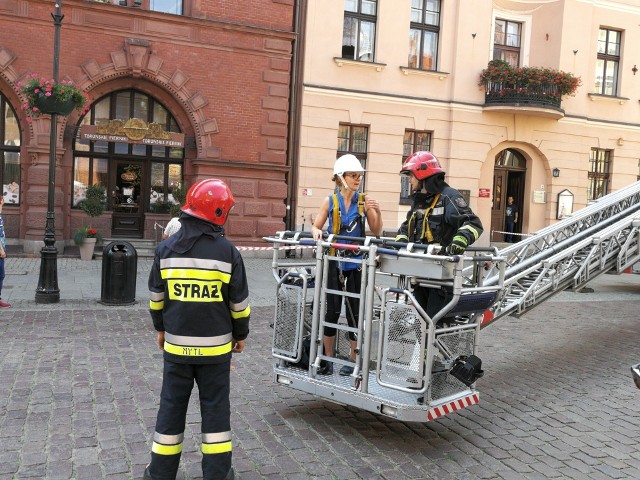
(217, 73)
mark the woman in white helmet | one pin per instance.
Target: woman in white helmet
(346, 211)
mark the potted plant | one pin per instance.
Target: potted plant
(87, 236)
(48, 96)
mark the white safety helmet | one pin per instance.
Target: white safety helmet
(347, 163)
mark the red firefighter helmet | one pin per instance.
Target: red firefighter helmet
(422, 164)
(210, 200)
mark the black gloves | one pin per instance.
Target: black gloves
(457, 246)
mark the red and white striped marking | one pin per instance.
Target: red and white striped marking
(452, 406)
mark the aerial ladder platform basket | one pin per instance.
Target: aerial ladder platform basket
(407, 365)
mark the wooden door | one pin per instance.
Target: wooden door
(127, 201)
(499, 202)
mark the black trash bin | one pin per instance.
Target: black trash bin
(119, 270)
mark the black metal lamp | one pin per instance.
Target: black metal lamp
(555, 172)
(47, 290)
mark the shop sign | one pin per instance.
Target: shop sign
(128, 176)
(133, 130)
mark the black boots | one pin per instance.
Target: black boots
(147, 475)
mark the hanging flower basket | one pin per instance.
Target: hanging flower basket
(48, 96)
(55, 105)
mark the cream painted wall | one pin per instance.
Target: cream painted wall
(449, 102)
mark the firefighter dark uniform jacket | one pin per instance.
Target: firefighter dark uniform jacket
(447, 215)
(199, 294)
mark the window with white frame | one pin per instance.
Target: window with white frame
(414, 141)
(599, 171)
(507, 41)
(359, 30)
(424, 34)
(608, 62)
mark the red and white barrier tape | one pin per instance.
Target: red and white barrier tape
(513, 233)
(290, 247)
(451, 407)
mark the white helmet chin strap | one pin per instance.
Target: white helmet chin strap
(344, 182)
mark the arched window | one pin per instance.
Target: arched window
(10, 153)
(154, 170)
(511, 158)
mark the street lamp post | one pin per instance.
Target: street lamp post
(47, 290)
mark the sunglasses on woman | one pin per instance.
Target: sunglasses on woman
(354, 175)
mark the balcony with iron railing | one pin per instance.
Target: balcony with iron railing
(540, 100)
(526, 90)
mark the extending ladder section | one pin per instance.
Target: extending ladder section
(407, 364)
(603, 237)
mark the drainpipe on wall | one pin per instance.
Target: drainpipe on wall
(295, 106)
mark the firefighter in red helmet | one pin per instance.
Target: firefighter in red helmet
(439, 215)
(199, 307)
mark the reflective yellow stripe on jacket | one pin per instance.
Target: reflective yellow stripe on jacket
(240, 310)
(156, 300)
(197, 346)
(195, 279)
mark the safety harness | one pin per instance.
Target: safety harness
(426, 229)
(335, 213)
(336, 223)
(336, 220)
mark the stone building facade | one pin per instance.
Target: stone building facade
(383, 79)
(216, 75)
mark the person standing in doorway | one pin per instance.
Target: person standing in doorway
(3, 253)
(200, 310)
(510, 219)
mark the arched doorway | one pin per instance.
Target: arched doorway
(128, 144)
(508, 180)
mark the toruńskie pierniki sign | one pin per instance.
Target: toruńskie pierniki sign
(133, 130)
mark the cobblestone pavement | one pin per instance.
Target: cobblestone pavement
(80, 384)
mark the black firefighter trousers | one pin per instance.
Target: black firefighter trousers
(214, 387)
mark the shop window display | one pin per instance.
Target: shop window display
(11, 192)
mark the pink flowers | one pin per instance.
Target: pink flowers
(34, 88)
